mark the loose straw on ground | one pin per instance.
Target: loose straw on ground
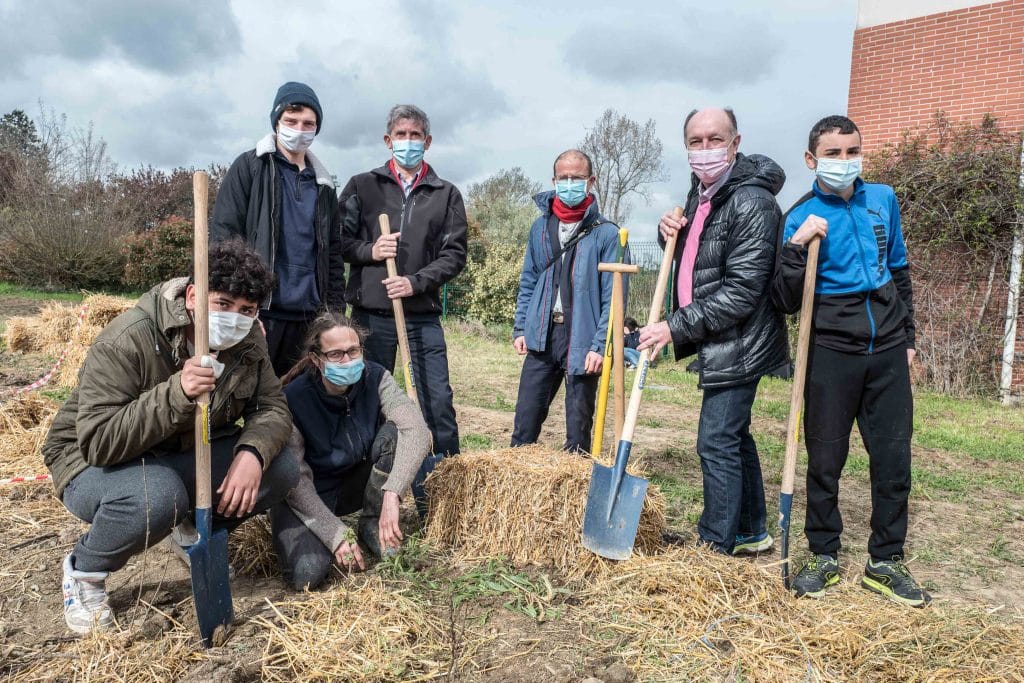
(689, 614)
(366, 633)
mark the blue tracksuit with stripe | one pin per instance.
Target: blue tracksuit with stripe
(857, 367)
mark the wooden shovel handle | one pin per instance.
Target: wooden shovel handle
(200, 275)
(657, 304)
(796, 400)
(403, 334)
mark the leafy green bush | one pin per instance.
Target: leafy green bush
(495, 284)
(158, 254)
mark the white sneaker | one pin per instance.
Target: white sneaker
(85, 599)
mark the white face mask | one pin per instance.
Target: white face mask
(294, 140)
(227, 329)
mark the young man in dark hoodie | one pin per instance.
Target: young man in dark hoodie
(428, 243)
(859, 362)
(282, 201)
(724, 259)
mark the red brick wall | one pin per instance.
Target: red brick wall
(966, 62)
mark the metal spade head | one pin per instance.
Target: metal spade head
(211, 588)
(613, 512)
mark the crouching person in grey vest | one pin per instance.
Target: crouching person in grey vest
(360, 442)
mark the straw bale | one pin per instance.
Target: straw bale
(24, 334)
(364, 633)
(104, 308)
(689, 614)
(67, 375)
(251, 550)
(25, 411)
(527, 505)
(24, 422)
(58, 323)
(86, 334)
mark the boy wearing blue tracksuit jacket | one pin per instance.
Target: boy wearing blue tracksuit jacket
(859, 360)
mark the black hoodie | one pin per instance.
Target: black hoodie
(731, 324)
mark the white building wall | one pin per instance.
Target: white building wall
(876, 12)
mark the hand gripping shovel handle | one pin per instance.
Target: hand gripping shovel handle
(403, 334)
(796, 403)
(633, 410)
(606, 369)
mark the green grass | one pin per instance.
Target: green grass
(468, 442)
(12, 290)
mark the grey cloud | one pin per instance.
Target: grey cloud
(161, 35)
(356, 101)
(716, 53)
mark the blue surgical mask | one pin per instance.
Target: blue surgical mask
(838, 174)
(571, 191)
(408, 153)
(343, 374)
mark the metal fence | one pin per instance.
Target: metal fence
(646, 254)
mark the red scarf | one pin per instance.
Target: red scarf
(571, 214)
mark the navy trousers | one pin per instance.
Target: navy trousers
(429, 368)
(541, 377)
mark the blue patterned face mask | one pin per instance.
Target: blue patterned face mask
(343, 374)
(571, 191)
(838, 174)
(408, 153)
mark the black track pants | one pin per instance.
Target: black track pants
(874, 389)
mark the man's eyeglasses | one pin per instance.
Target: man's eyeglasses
(338, 355)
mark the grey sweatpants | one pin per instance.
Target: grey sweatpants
(134, 505)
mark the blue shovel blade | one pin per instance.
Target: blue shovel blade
(211, 588)
(612, 535)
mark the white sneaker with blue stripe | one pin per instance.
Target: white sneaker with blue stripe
(85, 600)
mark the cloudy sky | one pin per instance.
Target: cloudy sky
(182, 83)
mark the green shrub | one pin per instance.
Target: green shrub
(158, 254)
(495, 284)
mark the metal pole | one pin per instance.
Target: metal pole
(1012, 299)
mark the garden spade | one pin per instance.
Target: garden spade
(430, 462)
(796, 403)
(208, 557)
(616, 498)
(606, 369)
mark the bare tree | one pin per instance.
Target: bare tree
(627, 157)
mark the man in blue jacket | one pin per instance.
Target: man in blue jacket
(859, 362)
(563, 305)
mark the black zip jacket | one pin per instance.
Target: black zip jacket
(248, 206)
(431, 250)
(732, 326)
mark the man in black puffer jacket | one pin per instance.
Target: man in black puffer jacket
(724, 259)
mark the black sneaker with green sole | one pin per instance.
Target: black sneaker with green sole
(815, 577)
(892, 579)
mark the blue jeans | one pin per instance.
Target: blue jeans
(631, 356)
(733, 488)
